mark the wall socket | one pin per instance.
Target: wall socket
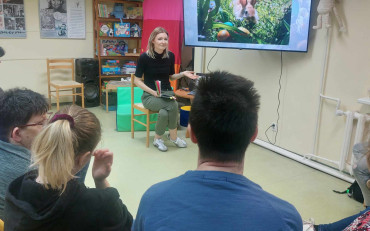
(274, 127)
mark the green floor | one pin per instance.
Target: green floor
(136, 168)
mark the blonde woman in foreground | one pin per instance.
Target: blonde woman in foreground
(50, 198)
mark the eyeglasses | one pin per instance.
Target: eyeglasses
(41, 123)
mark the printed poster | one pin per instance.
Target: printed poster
(62, 19)
(12, 23)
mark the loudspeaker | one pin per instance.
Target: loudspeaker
(87, 72)
(112, 98)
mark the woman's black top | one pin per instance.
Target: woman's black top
(156, 69)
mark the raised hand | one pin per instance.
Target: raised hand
(102, 165)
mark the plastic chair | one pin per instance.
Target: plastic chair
(63, 85)
(140, 107)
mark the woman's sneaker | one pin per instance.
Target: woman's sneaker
(180, 143)
(309, 225)
(160, 145)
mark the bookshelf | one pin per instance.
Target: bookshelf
(113, 45)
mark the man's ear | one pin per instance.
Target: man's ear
(254, 135)
(192, 135)
(15, 135)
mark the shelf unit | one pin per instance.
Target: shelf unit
(133, 42)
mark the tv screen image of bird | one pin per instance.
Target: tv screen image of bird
(248, 24)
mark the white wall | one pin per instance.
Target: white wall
(24, 64)
(348, 75)
(348, 78)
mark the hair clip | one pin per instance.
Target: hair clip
(63, 117)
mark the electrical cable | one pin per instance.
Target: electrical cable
(267, 135)
(211, 59)
(278, 106)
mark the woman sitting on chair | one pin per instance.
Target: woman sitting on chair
(158, 63)
(50, 198)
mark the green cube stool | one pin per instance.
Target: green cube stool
(123, 113)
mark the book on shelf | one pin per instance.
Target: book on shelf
(117, 67)
(113, 47)
(134, 12)
(135, 30)
(106, 29)
(129, 67)
(103, 11)
(110, 70)
(121, 29)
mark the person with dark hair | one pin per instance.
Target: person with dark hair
(216, 196)
(361, 172)
(23, 114)
(50, 198)
(2, 52)
(158, 63)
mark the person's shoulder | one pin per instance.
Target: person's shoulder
(15, 149)
(99, 198)
(157, 190)
(144, 55)
(283, 210)
(108, 207)
(15, 159)
(361, 148)
(109, 193)
(171, 54)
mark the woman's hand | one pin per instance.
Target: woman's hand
(102, 165)
(190, 74)
(139, 82)
(154, 93)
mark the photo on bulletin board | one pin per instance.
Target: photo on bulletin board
(12, 20)
(62, 19)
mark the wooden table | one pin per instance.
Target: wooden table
(112, 85)
(184, 94)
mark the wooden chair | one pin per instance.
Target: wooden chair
(1, 225)
(63, 85)
(140, 107)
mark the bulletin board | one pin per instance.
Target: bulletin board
(62, 19)
(12, 22)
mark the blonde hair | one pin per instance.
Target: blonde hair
(150, 47)
(55, 149)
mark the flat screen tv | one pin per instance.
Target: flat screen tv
(281, 25)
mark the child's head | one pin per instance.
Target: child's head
(65, 145)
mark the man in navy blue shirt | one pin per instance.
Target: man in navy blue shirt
(216, 196)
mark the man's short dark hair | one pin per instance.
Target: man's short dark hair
(224, 116)
(17, 106)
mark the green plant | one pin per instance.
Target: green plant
(206, 17)
(273, 26)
